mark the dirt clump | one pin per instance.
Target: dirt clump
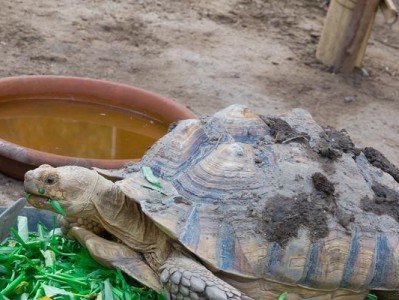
(385, 202)
(283, 217)
(335, 142)
(282, 132)
(378, 160)
(322, 184)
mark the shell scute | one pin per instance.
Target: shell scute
(176, 150)
(230, 167)
(239, 123)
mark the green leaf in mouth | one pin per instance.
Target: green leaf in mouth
(56, 206)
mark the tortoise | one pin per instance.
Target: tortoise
(239, 206)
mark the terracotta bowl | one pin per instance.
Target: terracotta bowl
(15, 160)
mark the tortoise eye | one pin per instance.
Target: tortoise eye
(50, 179)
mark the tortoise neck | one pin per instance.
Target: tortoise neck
(124, 219)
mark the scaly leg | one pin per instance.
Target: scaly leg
(187, 279)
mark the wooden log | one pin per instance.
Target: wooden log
(357, 35)
(345, 34)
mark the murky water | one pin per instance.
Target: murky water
(78, 129)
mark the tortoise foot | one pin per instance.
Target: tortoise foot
(184, 278)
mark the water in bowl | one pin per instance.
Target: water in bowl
(78, 129)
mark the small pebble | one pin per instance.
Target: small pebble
(349, 99)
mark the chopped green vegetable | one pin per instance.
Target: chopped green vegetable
(282, 296)
(49, 258)
(49, 266)
(57, 207)
(371, 297)
(51, 291)
(23, 228)
(41, 191)
(27, 195)
(149, 176)
(107, 291)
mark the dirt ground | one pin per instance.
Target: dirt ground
(206, 55)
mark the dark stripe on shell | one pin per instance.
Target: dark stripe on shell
(354, 249)
(382, 261)
(312, 262)
(201, 196)
(191, 232)
(156, 169)
(247, 139)
(366, 169)
(226, 247)
(273, 258)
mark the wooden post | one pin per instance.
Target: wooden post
(357, 35)
(345, 34)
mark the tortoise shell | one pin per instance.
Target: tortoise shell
(275, 198)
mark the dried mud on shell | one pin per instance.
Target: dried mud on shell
(385, 201)
(377, 159)
(282, 218)
(322, 184)
(282, 132)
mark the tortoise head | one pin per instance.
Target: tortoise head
(72, 188)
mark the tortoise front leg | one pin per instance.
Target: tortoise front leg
(116, 255)
(185, 278)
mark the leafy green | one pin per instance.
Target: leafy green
(107, 291)
(149, 176)
(282, 296)
(56, 206)
(23, 228)
(49, 266)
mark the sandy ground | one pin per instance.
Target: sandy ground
(206, 55)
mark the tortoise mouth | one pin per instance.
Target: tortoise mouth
(39, 201)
